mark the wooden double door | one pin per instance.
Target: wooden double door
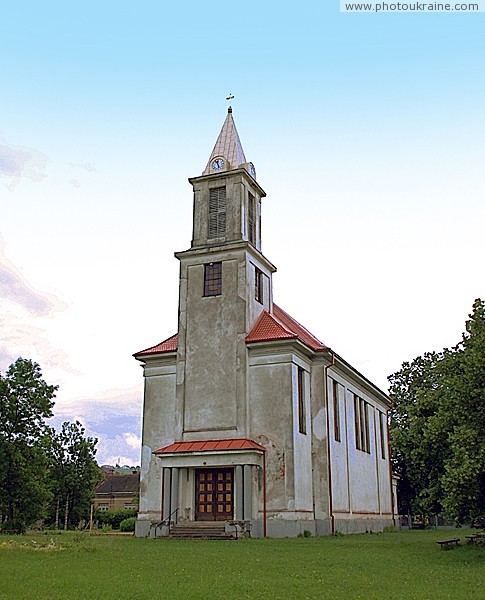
(214, 494)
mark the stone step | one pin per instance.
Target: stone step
(202, 530)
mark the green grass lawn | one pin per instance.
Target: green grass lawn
(389, 565)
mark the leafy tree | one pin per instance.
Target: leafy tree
(26, 401)
(74, 473)
(437, 427)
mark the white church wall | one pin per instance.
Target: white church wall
(302, 457)
(271, 416)
(158, 431)
(339, 451)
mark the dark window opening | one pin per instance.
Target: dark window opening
(336, 411)
(217, 212)
(258, 285)
(382, 427)
(213, 279)
(361, 419)
(301, 401)
(251, 220)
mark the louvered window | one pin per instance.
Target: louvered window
(251, 220)
(217, 212)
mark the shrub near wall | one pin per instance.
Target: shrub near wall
(114, 517)
(128, 524)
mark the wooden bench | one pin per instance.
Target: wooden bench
(449, 543)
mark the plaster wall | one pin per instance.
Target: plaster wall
(158, 430)
(339, 450)
(273, 385)
(302, 458)
(362, 467)
(271, 419)
(210, 398)
(319, 439)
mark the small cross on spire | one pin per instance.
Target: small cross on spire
(229, 98)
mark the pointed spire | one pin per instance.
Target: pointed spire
(228, 147)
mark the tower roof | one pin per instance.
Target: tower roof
(228, 146)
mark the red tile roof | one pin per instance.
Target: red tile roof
(210, 446)
(269, 327)
(280, 326)
(303, 334)
(169, 345)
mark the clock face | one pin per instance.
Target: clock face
(217, 164)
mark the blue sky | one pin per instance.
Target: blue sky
(367, 132)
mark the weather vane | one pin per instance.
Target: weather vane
(230, 97)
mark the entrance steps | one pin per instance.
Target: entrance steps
(200, 530)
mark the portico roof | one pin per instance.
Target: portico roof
(210, 446)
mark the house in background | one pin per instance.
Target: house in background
(249, 419)
(117, 492)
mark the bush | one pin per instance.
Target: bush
(114, 517)
(128, 524)
(14, 525)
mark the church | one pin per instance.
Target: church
(250, 422)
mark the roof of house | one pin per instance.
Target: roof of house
(210, 446)
(278, 325)
(119, 484)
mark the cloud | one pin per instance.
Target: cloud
(90, 167)
(104, 406)
(17, 162)
(23, 339)
(6, 359)
(113, 416)
(15, 289)
(133, 441)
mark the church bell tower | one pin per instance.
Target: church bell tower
(225, 284)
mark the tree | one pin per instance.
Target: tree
(74, 473)
(26, 401)
(437, 427)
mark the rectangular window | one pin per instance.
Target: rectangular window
(361, 420)
(336, 411)
(217, 212)
(382, 427)
(357, 422)
(213, 279)
(258, 285)
(251, 220)
(301, 401)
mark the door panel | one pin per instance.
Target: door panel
(214, 499)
